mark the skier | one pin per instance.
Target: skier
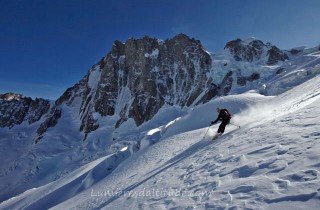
(224, 116)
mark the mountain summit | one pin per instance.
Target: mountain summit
(136, 78)
(254, 50)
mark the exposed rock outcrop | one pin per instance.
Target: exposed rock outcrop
(242, 81)
(15, 109)
(254, 50)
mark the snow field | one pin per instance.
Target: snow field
(272, 161)
(268, 164)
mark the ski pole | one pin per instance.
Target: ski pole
(206, 132)
(235, 125)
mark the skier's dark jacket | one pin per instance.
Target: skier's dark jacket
(223, 116)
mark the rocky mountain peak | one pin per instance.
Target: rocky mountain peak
(118, 47)
(151, 73)
(11, 96)
(15, 109)
(253, 50)
(184, 39)
(136, 78)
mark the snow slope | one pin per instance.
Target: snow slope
(271, 162)
(26, 165)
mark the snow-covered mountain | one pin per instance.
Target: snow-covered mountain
(149, 102)
(135, 79)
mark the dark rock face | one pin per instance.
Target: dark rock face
(280, 71)
(226, 84)
(295, 51)
(152, 73)
(242, 81)
(275, 55)
(15, 109)
(155, 73)
(255, 50)
(248, 52)
(51, 121)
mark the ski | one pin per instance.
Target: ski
(216, 136)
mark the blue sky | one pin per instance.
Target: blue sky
(47, 46)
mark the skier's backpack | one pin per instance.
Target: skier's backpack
(227, 114)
